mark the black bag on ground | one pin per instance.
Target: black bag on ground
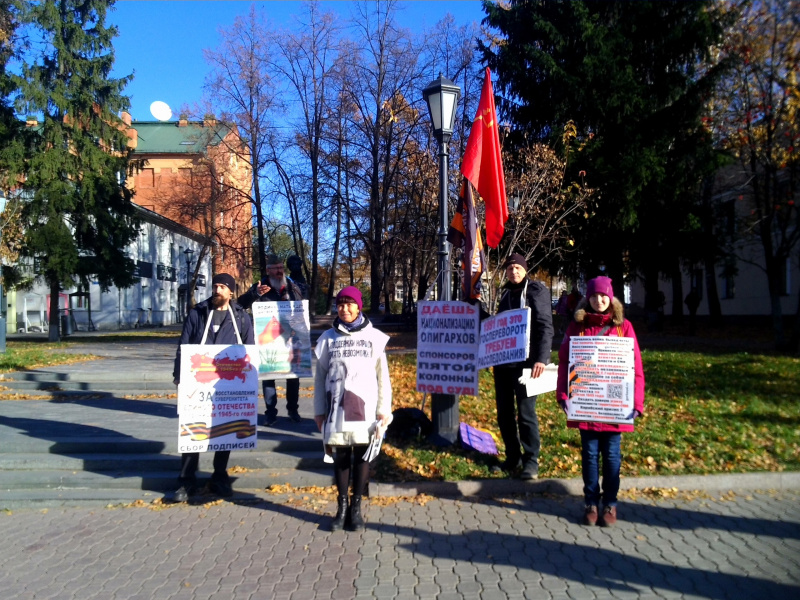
(409, 424)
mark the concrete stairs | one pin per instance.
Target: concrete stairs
(108, 435)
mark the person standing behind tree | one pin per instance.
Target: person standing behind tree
(276, 287)
(510, 380)
(229, 324)
(572, 301)
(692, 302)
(562, 311)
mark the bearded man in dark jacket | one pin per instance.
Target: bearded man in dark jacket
(510, 379)
(220, 310)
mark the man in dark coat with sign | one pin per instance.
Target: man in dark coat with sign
(510, 379)
(220, 309)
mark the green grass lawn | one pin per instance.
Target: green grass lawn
(20, 356)
(704, 413)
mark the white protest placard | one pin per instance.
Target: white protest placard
(601, 379)
(217, 398)
(546, 382)
(505, 338)
(447, 349)
(283, 337)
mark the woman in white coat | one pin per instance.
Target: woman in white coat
(352, 397)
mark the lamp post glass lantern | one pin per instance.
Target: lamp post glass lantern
(189, 255)
(442, 96)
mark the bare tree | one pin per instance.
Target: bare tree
(755, 117)
(241, 84)
(547, 210)
(384, 74)
(307, 62)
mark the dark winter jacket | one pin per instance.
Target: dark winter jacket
(195, 325)
(247, 299)
(537, 297)
(590, 323)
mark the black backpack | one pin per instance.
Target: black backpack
(409, 424)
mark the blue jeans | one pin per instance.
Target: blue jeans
(593, 445)
(271, 396)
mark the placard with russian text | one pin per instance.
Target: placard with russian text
(283, 337)
(601, 379)
(447, 351)
(217, 398)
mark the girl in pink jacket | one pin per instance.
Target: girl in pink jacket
(600, 314)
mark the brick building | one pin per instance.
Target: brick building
(197, 173)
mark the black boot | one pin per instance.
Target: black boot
(341, 514)
(356, 519)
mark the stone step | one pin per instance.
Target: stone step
(137, 463)
(273, 442)
(98, 490)
(109, 450)
(52, 388)
(163, 480)
(130, 384)
(110, 374)
(99, 375)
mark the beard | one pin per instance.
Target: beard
(277, 283)
(217, 301)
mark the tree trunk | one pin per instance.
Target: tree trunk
(773, 282)
(335, 259)
(712, 293)
(794, 341)
(53, 335)
(314, 281)
(652, 299)
(677, 291)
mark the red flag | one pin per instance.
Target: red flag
(464, 232)
(483, 165)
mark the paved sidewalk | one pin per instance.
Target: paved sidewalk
(743, 546)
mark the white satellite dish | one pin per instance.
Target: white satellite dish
(161, 110)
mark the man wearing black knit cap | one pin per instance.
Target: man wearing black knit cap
(226, 317)
(520, 427)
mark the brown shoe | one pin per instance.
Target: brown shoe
(590, 515)
(609, 516)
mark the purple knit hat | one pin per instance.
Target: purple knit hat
(600, 285)
(351, 292)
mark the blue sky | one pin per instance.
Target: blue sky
(162, 42)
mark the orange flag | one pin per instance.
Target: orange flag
(483, 165)
(464, 233)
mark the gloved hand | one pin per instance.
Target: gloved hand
(525, 377)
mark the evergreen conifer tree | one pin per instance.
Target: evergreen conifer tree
(79, 217)
(10, 128)
(633, 77)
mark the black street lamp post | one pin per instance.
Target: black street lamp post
(189, 255)
(442, 96)
(189, 288)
